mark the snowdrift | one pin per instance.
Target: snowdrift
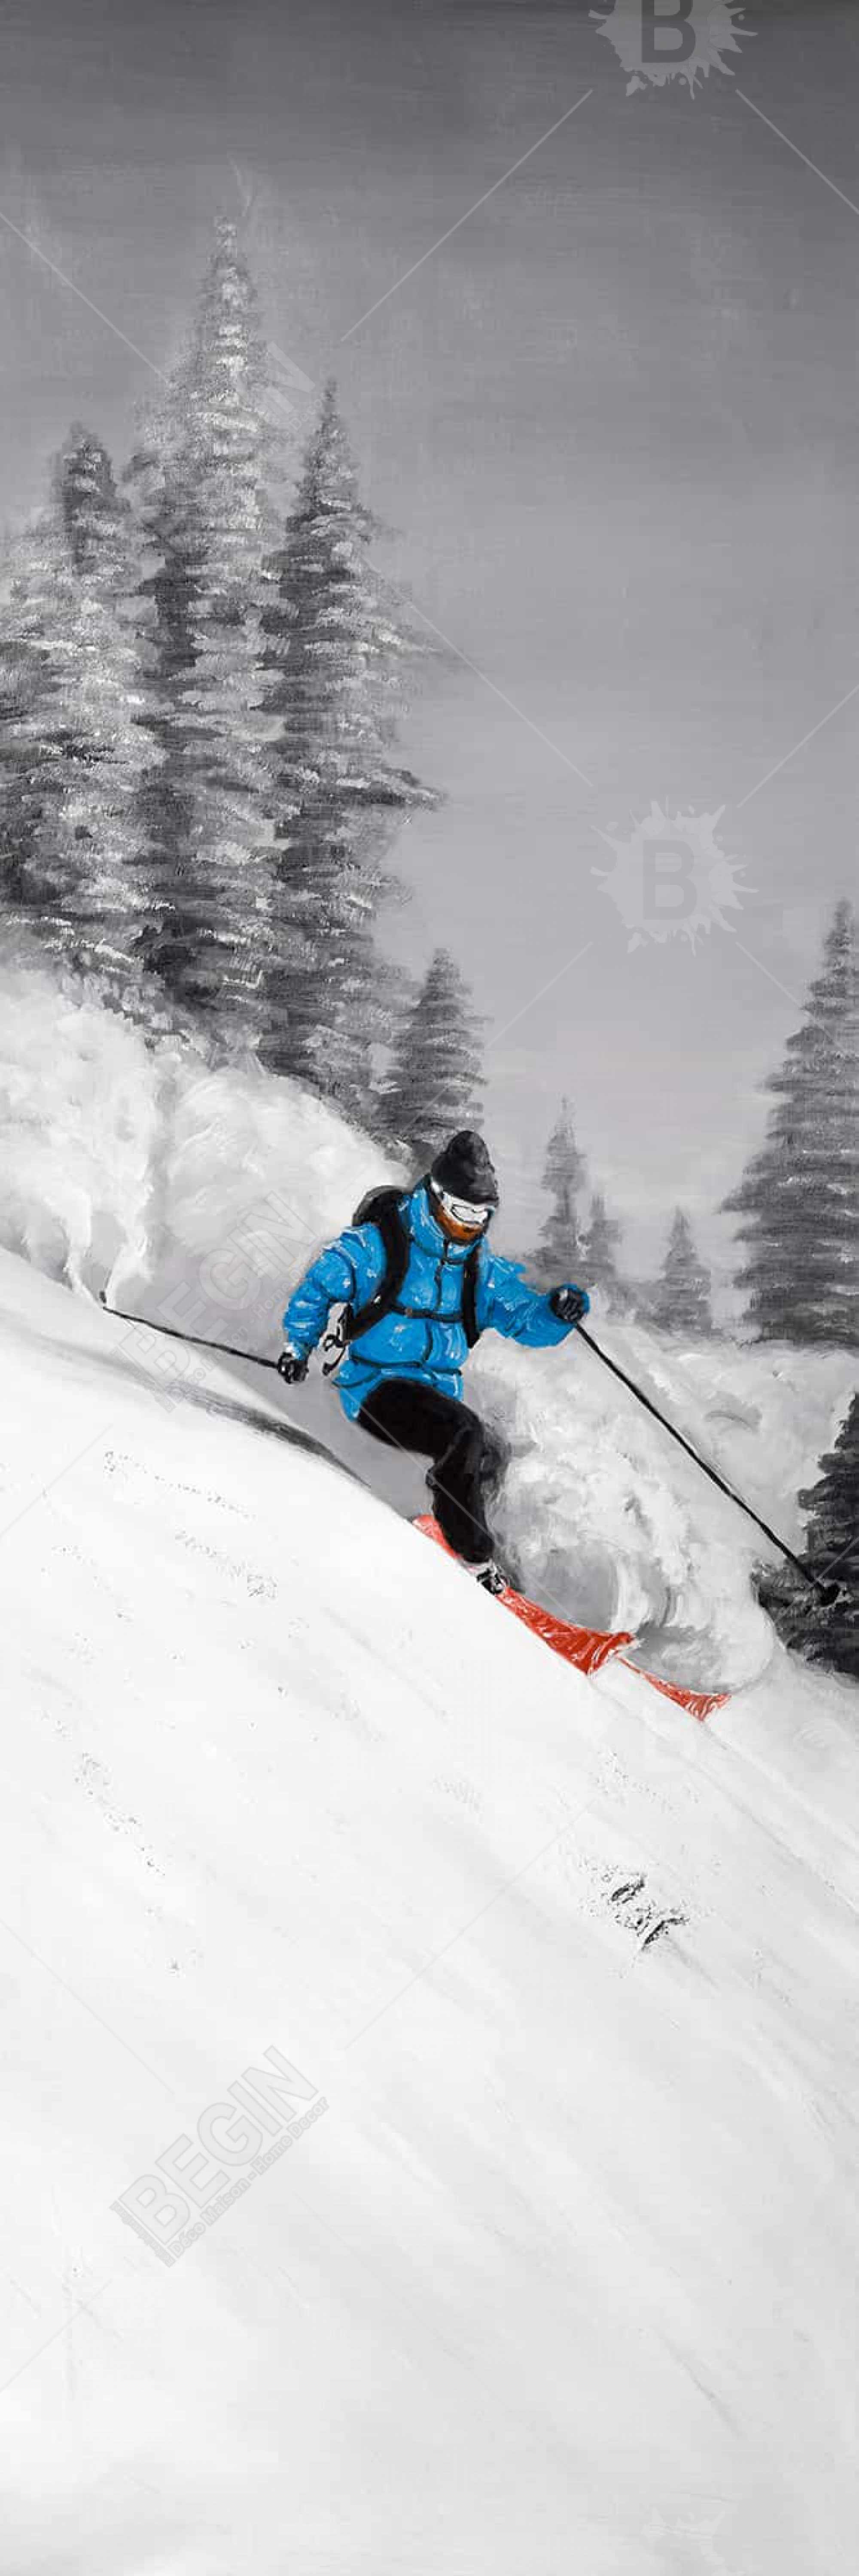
(139, 1168)
(561, 2277)
(602, 1514)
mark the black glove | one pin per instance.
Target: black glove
(570, 1304)
(292, 1367)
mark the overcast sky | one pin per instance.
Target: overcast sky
(612, 422)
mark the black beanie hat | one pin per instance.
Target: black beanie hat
(464, 1169)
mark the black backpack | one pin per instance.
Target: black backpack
(382, 1209)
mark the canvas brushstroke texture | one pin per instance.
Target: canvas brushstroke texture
(429, 677)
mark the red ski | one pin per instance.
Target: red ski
(588, 1648)
(700, 1704)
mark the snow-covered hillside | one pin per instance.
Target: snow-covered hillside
(562, 2276)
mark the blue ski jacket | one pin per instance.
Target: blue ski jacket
(431, 1344)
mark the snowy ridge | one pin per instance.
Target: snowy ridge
(562, 2277)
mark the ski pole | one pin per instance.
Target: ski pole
(174, 1334)
(829, 1592)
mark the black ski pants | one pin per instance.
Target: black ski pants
(467, 1459)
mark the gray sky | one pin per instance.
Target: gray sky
(612, 423)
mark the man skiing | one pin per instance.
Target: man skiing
(419, 1284)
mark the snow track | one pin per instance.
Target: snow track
(561, 2277)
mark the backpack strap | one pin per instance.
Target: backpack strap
(470, 1276)
(380, 1208)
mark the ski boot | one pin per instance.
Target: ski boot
(489, 1576)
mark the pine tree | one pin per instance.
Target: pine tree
(825, 1635)
(799, 1200)
(206, 518)
(98, 525)
(599, 1255)
(682, 1299)
(72, 747)
(32, 680)
(559, 1255)
(434, 1083)
(104, 890)
(333, 647)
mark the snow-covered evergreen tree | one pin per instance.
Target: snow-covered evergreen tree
(104, 886)
(32, 680)
(98, 524)
(334, 645)
(681, 1302)
(72, 747)
(560, 1253)
(599, 1254)
(825, 1635)
(434, 1084)
(799, 1200)
(206, 520)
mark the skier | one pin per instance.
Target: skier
(419, 1284)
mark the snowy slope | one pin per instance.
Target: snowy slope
(561, 2279)
(198, 1194)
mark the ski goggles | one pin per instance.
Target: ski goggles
(466, 1212)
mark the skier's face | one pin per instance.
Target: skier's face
(464, 1220)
